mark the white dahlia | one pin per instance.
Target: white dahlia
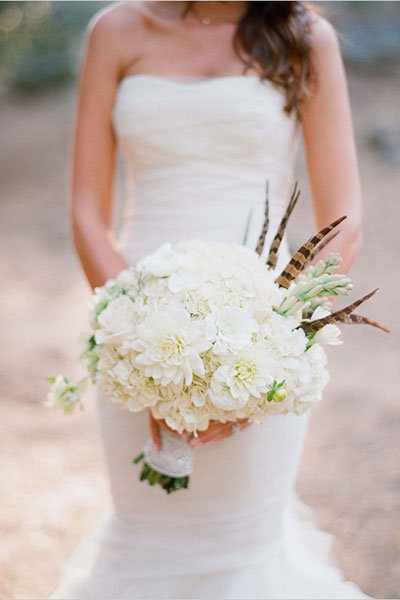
(169, 346)
(249, 373)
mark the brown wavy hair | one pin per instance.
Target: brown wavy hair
(275, 39)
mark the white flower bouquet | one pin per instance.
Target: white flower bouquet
(201, 331)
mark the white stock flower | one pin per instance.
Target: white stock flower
(319, 313)
(329, 334)
(169, 347)
(63, 394)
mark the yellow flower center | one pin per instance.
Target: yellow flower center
(245, 370)
(172, 345)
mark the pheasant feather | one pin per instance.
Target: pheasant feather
(336, 317)
(264, 231)
(296, 264)
(320, 247)
(276, 242)
(360, 320)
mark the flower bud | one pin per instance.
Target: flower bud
(279, 395)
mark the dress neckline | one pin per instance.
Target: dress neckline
(189, 81)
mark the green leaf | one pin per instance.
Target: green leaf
(138, 458)
(91, 343)
(101, 306)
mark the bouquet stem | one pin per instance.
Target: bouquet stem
(169, 467)
(169, 484)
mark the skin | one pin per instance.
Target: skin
(137, 37)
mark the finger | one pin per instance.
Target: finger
(214, 432)
(195, 442)
(223, 428)
(155, 432)
(182, 435)
(211, 434)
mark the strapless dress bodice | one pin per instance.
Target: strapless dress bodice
(197, 155)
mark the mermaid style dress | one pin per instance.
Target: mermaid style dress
(197, 155)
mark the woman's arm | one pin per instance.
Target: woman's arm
(330, 147)
(94, 153)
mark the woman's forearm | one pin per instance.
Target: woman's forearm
(347, 244)
(95, 245)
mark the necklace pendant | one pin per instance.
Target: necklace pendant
(205, 21)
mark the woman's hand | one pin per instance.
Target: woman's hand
(155, 425)
(215, 432)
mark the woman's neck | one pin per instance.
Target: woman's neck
(205, 13)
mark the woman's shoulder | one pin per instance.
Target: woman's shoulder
(116, 34)
(116, 20)
(323, 34)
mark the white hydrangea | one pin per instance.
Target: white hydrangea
(192, 332)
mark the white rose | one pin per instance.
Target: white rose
(163, 262)
(116, 321)
(230, 329)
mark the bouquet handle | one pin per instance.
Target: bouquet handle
(175, 459)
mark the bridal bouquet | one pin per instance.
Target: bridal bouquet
(201, 331)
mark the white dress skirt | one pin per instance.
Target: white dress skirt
(197, 155)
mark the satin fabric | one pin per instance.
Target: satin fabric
(197, 155)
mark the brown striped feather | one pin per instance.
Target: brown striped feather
(336, 317)
(320, 247)
(264, 230)
(276, 242)
(360, 320)
(296, 264)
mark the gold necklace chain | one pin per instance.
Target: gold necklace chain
(208, 21)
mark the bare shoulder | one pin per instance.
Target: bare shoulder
(115, 21)
(324, 37)
(114, 37)
(329, 68)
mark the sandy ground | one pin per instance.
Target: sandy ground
(52, 471)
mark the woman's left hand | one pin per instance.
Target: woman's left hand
(217, 431)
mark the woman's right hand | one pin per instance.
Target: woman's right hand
(155, 425)
(216, 431)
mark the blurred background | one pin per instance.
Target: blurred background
(54, 484)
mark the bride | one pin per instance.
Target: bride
(166, 84)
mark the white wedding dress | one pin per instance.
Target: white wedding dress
(197, 155)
